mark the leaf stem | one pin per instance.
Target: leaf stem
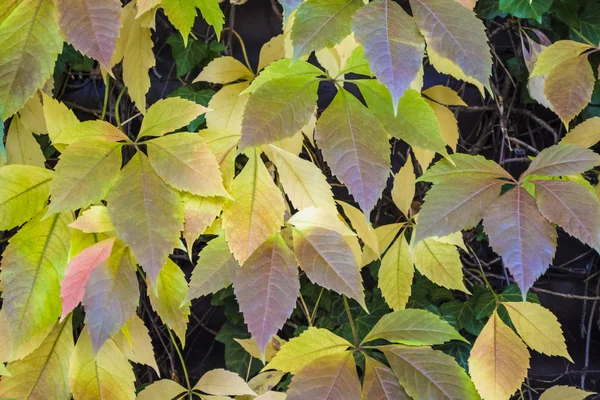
(239, 38)
(185, 372)
(306, 311)
(485, 280)
(583, 37)
(352, 326)
(105, 104)
(314, 313)
(118, 102)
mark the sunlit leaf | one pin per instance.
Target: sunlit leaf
(380, 383)
(396, 274)
(138, 346)
(403, 191)
(21, 146)
(199, 213)
(169, 114)
(499, 360)
(565, 393)
(440, 262)
(312, 217)
(93, 220)
(585, 134)
(227, 107)
(224, 70)
(444, 95)
(146, 213)
(222, 382)
(556, 54)
(271, 51)
(162, 389)
(332, 377)
(464, 166)
(562, 159)
(285, 68)
(87, 130)
(385, 236)
(181, 14)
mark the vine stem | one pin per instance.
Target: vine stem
(352, 326)
(306, 311)
(185, 372)
(105, 104)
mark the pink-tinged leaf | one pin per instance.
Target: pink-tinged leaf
(521, 235)
(456, 204)
(331, 377)
(393, 45)
(572, 207)
(561, 160)
(328, 261)
(429, 374)
(266, 288)
(78, 273)
(111, 297)
(356, 147)
(380, 383)
(91, 26)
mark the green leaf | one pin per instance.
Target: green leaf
(278, 109)
(111, 297)
(182, 14)
(32, 265)
(266, 289)
(106, 374)
(414, 328)
(169, 114)
(44, 374)
(464, 165)
(456, 40)
(440, 262)
(25, 191)
(169, 299)
(525, 8)
(284, 68)
(187, 57)
(198, 95)
(146, 213)
(29, 45)
(393, 45)
(212, 14)
(396, 274)
(84, 174)
(429, 374)
(521, 235)
(319, 24)
(215, 270)
(91, 27)
(310, 346)
(356, 147)
(562, 160)
(328, 378)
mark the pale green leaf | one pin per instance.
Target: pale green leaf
(215, 270)
(396, 274)
(168, 115)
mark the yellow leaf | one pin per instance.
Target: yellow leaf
(440, 262)
(199, 213)
(138, 346)
(361, 225)
(144, 6)
(271, 51)
(396, 274)
(168, 115)
(585, 134)
(385, 236)
(223, 145)
(499, 361)
(303, 182)
(565, 393)
(227, 108)
(161, 390)
(21, 146)
(168, 299)
(106, 375)
(32, 115)
(311, 345)
(424, 157)
(252, 348)
(257, 211)
(448, 124)
(263, 382)
(444, 95)
(44, 373)
(312, 217)
(93, 220)
(58, 117)
(557, 53)
(539, 328)
(222, 382)
(446, 66)
(25, 190)
(403, 191)
(224, 70)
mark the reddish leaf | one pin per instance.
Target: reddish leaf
(380, 383)
(266, 288)
(521, 235)
(78, 273)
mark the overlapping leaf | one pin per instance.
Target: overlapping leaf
(21, 146)
(93, 220)
(380, 383)
(224, 70)
(136, 343)
(440, 262)
(199, 213)
(464, 165)
(169, 114)
(562, 159)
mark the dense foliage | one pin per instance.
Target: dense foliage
(278, 203)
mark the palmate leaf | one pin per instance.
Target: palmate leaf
(57, 115)
(413, 327)
(455, 39)
(319, 24)
(499, 360)
(301, 351)
(25, 191)
(538, 327)
(257, 211)
(396, 274)
(561, 160)
(78, 273)
(44, 374)
(380, 383)
(425, 373)
(111, 297)
(356, 147)
(223, 144)
(32, 265)
(271, 51)
(29, 44)
(278, 109)
(332, 377)
(572, 207)
(146, 213)
(457, 203)
(393, 45)
(76, 131)
(521, 235)
(385, 237)
(169, 299)
(327, 259)
(312, 217)
(215, 270)
(84, 174)
(105, 375)
(266, 288)
(185, 162)
(92, 27)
